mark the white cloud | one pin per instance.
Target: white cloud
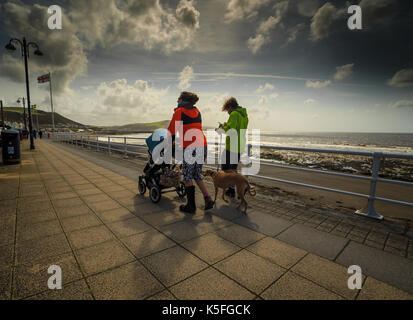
(402, 79)
(321, 23)
(185, 77)
(266, 98)
(343, 72)
(317, 84)
(124, 103)
(240, 9)
(255, 43)
(265, 87)
(262, 36)
(402, 104)
(293, 32)
(309, 101)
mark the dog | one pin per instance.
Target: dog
(228, 179)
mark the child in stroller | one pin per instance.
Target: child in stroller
(159, 178)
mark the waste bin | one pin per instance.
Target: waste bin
(10, 146)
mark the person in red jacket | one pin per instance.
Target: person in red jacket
(187, 121)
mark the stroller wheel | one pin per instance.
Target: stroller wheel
(155, 194)
(141, 186)
(181, 191)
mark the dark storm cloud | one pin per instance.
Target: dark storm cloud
(379, 12)
(88, 24)
(402, 79)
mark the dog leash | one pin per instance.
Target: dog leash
(220, 149)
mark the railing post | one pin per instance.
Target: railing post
(371, 210)
(88, 142)
(109, 146)
(81, 141)
(125, 155)
(97, 143)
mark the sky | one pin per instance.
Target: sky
(294, 64)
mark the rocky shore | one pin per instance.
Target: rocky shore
(400, 169)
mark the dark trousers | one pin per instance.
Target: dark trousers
(226, 163)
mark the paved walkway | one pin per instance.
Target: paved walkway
(59, 208)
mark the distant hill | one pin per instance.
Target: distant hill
(14, 114)
(133, 128)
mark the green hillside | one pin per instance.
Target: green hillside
(133, 128)
(14, 114)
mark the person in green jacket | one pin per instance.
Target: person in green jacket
(237, 122)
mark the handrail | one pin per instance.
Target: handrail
(371, 212)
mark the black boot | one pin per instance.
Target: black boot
(190, 205)
(209, 204)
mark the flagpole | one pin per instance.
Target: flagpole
(51, 99)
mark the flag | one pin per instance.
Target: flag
(44, 78)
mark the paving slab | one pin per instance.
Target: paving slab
(327, 274)
(239, 235)
(32, 250)
(77, 290)
(211, 248)
(125, 228)
(376, 290)
(180, 265)
(5, 283)
(146, 243)
(294, 287)
(80, 222)
(250, 270)
(89, 237)
(103, 256)
(69, 212)
(383, 266)
(162, 218)
(210, 284)
(128, 282)
(314, 241)
(36, 217)
(6, 255)
(163, 295)
(114, 215)
(277, 252)
(31, 278)
(182, 231)
(263, 223)
(27, 232)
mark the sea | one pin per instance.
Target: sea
(399, 143)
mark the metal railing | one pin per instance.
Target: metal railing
(107, 143)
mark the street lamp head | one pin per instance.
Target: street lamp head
(38, 53)
(10, 47)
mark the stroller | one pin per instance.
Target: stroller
(160, 178)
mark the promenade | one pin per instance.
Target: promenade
(80, 210)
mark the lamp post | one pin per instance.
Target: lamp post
(24, 112)
(25, 53)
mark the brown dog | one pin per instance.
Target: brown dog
(225, 180)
